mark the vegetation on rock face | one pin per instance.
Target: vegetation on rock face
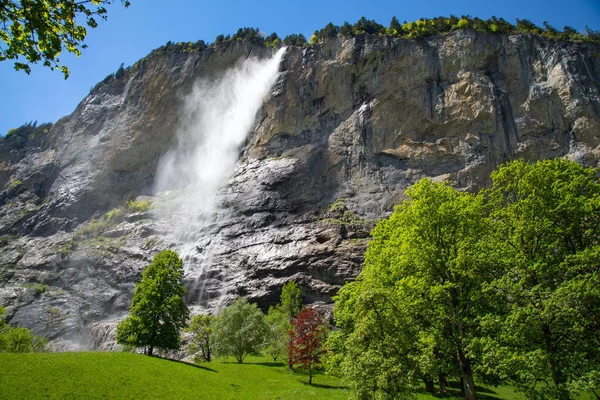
(421, 28)
(98, 226)
(503, 286)
(18, 339)
(157, 311)
(435, 26)
(39, 31)
(240, 330)
(28, 133)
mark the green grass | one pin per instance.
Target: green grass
(129, 376)
(135, 376)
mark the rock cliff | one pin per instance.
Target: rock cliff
(348, 125)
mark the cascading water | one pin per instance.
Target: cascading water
(218, 115)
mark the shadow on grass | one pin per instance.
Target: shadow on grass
(318, 385)
(480, 389)
(190, 364)
(268, 364)
(453, 392)
(264, 364)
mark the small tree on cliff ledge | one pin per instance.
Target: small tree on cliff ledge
(307, 344)
(157, 311)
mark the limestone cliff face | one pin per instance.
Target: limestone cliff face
(348, 125)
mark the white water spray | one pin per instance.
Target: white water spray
(218, 115)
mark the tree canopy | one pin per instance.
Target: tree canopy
(499, 286)
(290, 300)
(414, 304)
(201, 327)
(39, 30)
(157, 311)
(240, 330)
(307, 340)
(544, 334)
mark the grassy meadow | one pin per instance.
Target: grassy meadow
(132, 376)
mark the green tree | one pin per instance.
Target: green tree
(201, 327)
(240, 330)
(417, 300)
(346, 29)
(290, 300)
(395, 27)
(157, 311)
(544, 334)
(277, 338)
(39, 30)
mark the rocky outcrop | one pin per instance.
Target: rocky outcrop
(349, 124)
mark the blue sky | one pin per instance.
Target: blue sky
(130, 34)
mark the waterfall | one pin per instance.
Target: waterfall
(217, 117)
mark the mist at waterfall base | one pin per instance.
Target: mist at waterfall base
(216, 119)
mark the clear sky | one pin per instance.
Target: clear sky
(130, 34)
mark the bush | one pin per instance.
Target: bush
(138, 206)
(19, 340)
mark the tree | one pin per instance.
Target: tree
(240, 330)
(544, 335)
(277, 338)
(418, 297)
(295, 40)
(346, 29)
(290, 304)
(201, 327)
(39, 30)
(395, 27)
(290, 300)
(157, 311)
(307, 344)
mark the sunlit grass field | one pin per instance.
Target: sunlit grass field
(134, 376)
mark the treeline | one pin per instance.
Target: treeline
(158, 314)
(421, 28)
(18, 137)
(425, 27)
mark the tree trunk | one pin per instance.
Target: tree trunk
(558, 377)
(442, 382)
(466, 376)
(429, 388)
(309, 374)
(150, 350)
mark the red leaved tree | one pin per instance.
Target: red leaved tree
(307, 340)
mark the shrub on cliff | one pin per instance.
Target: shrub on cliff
(18, 339)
